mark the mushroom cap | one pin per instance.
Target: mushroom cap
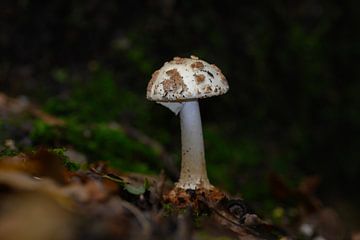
(184, 79)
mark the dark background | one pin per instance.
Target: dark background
(292, 67)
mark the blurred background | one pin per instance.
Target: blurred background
(292, 110)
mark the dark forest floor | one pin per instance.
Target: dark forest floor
(56, 194)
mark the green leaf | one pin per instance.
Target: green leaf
(136, 190)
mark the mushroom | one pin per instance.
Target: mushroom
(178, 85)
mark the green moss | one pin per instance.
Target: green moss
(60, 152)
(100, 142)
(7, 152)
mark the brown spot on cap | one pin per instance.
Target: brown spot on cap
(175, 83)
(152, 80)
(198, 65)
(199, 78)
(208, 89)
(223, 78)
(178, 60)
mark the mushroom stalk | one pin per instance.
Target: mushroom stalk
(193, 167)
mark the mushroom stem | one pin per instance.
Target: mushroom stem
(193, 167)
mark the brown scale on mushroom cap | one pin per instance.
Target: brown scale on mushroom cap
(152, 80)
(200, 78)
(208, 89)
(198, 65)
(178, 60)
(175, 82)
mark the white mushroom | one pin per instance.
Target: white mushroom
(178, 85)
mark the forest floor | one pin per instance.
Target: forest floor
(55, 193)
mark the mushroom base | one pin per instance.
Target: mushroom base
(183, 198)
(191, 183)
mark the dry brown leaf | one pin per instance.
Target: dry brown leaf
(34, 216)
